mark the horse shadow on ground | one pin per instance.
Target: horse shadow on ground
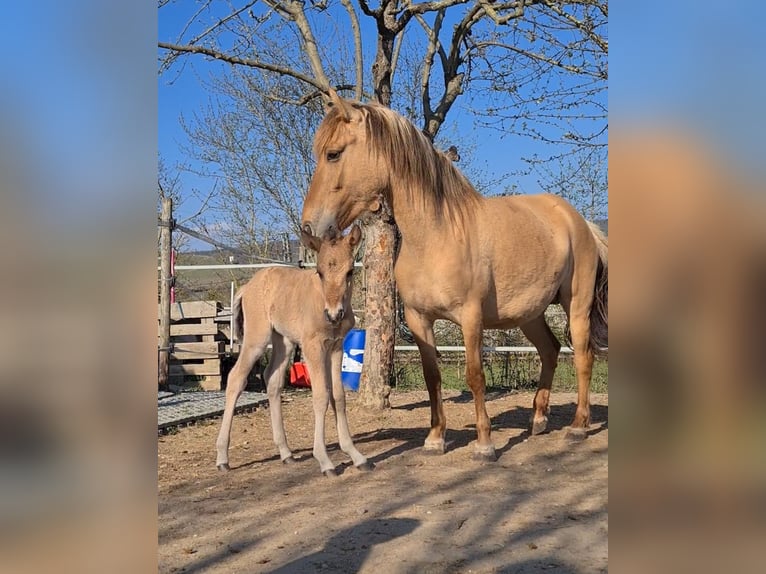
(411, 439)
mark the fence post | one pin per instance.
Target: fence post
(166, 248)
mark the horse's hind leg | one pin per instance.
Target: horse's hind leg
(338, 403)
(423, 330)
(578, 305)
(251, 351)
(281, 350)
(548, 346)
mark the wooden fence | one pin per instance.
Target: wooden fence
(199, 341)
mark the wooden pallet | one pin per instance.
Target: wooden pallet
(197, 343)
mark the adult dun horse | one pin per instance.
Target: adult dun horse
(285, 305)
(479, 262)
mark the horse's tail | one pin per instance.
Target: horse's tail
(238, 317)
(599, 311)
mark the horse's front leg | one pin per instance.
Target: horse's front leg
(474, 374)
(423, 330)
(338, 403)
(317, 360)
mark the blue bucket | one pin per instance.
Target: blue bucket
(353, 356)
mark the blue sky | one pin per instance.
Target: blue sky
(181, 92)
(698, 65)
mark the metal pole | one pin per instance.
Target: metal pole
(231, 319)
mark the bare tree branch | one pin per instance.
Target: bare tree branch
(243, 62)
(357, 48)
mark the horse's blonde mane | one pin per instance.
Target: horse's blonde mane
(432, 183)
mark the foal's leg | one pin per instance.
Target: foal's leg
(423, 330)
(548, 346)
(281, 351)
(317, 360)
(253, 346)
(338, 403)
(474, 374)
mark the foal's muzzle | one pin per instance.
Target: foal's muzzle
(334, 319)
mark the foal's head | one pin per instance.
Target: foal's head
(335, 267)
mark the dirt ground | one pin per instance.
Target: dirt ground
(541, 507)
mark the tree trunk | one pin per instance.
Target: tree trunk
(379, 253)
(379, 322)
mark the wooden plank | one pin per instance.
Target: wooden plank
(193, 329)
(197, 369)
(198, 347)
(193, 309)
(211, 383)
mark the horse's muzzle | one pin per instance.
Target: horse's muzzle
(334, 319)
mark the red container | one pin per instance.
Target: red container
(299, 375)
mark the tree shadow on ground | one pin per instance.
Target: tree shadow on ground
(347, 550)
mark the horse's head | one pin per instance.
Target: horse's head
(335, 267)
(349, 179)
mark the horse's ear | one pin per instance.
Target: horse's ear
(345, 109)
(310, 241)
(355, 236)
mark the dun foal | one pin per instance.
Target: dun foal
(313, 309)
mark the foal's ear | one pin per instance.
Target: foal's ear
(344, 107)
(310, 241)
(355, 236)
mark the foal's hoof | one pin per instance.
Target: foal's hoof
(289, 460)
(576, 434)
(366, 466)
(224, 467)
(538, 426)
(330, 473)
(485, 455)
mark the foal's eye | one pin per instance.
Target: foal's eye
(321, 277)
(349, 275)
(333, 156)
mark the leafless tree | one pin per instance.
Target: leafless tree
(581, 178)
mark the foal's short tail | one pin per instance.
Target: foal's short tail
(599, 311)
(239, 317)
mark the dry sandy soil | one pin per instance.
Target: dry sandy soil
(541, 507)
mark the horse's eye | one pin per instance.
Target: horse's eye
(321, 277)
(333, 156)
(349, 275)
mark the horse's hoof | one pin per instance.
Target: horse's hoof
(538, 426)
(289, 460)
(576, 434)
(486, 455)
(330, 473)
(433, 447)
(224, 467)
(366, 466)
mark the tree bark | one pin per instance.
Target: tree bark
(379, 322)
(380, 250)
